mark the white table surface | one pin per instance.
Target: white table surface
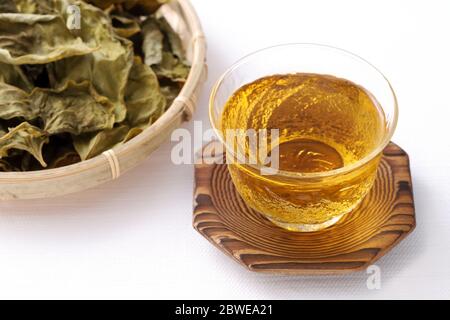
(132, 238)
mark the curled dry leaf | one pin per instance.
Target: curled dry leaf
(42, 6)
(152, 41)
(68, 95)
(125, 26)
(143, 97)
(91, 145)
(174, 41)
(37, 39)
(172, 68)
(170, 92)
(163, 50)
(24, 137)
(107, 68)
(145, 103)
(15, 102)
(75, 108)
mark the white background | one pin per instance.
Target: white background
(132, 238)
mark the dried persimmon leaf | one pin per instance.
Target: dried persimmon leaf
(37, 39)
(143, 96)
(81, 92)
(174, 40)
(76, 108)
(145, 103)
(125, 26)
(107, 68)
(93, 144)
(15, 102)
(172, 68)
(42, 6)
(170, 91)
(163, 50)
(152, 44)
(24, 137)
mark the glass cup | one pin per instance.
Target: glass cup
(305, 201)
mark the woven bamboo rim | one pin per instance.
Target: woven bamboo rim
(112, 163)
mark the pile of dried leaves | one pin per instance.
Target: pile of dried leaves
(66, 94)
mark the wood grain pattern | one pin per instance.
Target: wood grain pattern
(361, 237)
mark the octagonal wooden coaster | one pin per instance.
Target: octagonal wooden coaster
(361, 237)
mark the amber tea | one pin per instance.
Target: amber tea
(325, 123)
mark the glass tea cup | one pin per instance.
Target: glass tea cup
(306, 201)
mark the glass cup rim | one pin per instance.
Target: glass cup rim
(290, 174)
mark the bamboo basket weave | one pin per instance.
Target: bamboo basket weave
(113, 163)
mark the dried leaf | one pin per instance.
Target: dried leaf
(69, 95)
(107, 68)
(152, 44)
(172, 68)
(24, 137)
(163, 50)
(176, 46)
(15, 102)
(133, 132)
(170, 92)
(143, 96)
(145, 103)
(91, 145)
(41, 6)
(125, 26)
(75, 108)
(37, 39)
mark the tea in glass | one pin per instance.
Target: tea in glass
(331, 132)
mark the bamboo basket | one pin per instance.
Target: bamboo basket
(113, 163)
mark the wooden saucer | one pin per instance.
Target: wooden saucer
(383, 219)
